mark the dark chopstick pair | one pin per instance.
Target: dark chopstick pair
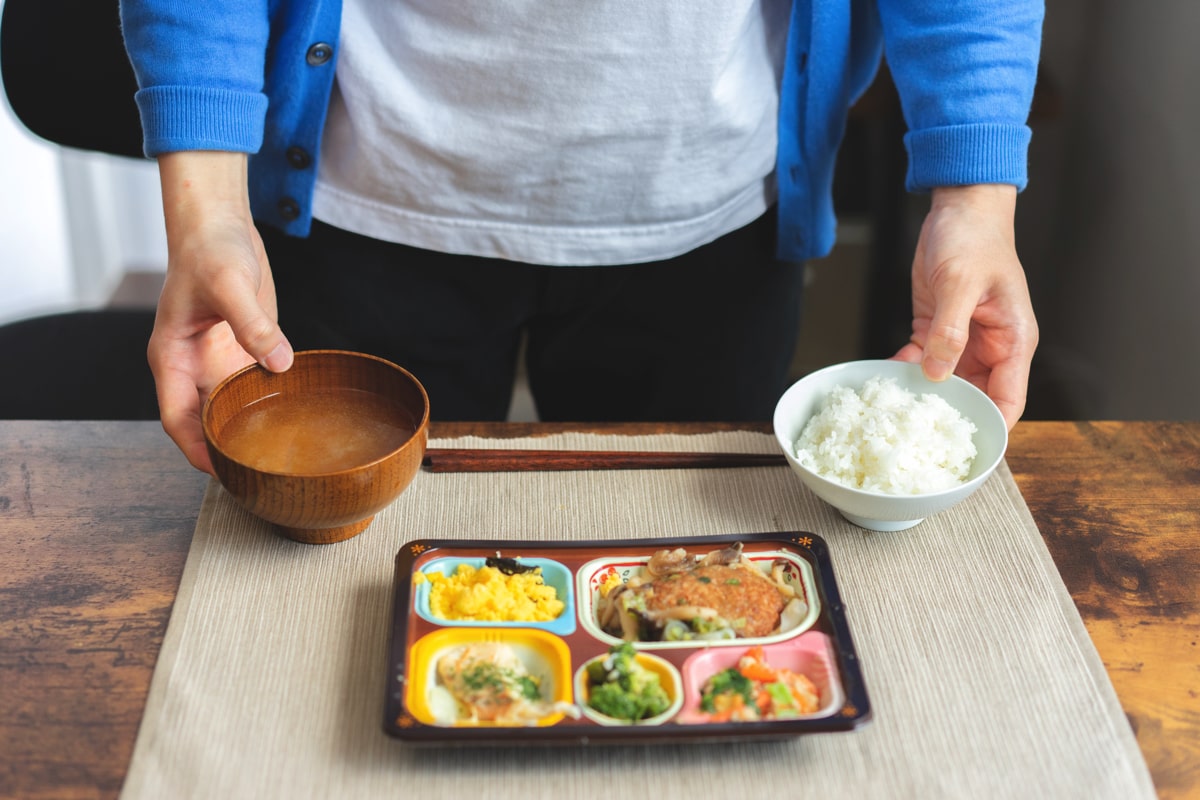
(489, 460)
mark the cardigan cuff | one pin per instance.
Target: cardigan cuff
(962, 155)
(176, 118)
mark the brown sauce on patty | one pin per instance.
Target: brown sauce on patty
(741, 596)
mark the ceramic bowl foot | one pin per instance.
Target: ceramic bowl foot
(881, 525)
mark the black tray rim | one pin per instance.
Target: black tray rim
(855, 712)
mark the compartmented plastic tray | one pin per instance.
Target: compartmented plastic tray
(812, 638)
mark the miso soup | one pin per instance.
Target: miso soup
(325, 430)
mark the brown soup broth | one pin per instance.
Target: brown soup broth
(320, 431)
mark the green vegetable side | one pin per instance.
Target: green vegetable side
(728, 681)
(621, 688)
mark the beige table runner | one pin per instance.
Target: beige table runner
(982, 678)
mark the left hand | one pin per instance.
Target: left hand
(972, 314)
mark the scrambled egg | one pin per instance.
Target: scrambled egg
(488, 595)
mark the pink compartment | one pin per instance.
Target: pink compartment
(812, 653)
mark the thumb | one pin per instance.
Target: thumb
(949, 330)
(256, 330)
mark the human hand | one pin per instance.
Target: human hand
(972, 314)
(217, 311)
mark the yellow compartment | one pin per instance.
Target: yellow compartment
(545, 656)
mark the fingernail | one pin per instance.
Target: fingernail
(279, 359)
(936, 369)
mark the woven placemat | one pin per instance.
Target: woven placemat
(983, 682)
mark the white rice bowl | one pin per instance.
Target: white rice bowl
(887, 439)
(873, 448)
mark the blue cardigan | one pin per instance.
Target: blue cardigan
(254, 76)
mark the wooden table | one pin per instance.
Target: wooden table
(96, 519)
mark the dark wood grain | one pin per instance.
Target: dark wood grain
(96, 519)
(95, 522)
(1119, 506)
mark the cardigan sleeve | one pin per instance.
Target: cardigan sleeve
(965, 71)
(199, 67)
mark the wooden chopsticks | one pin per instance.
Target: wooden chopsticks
(488, 460)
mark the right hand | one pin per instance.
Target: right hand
(217, 311)
(972, 314)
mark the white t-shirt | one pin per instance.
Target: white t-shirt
(553, 131)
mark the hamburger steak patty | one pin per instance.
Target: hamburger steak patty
(743, 596)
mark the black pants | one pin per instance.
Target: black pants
(706, 336)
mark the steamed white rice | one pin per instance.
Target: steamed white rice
(887, 439)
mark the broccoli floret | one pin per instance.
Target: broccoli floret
(654, 699)
(597, 673)
(642, 681)
(621, 688)
(613, 701)
(616, 666)
(624, 658)
(728, 681)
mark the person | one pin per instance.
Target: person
(632, 187)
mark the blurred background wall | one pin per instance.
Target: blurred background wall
(1108, 230)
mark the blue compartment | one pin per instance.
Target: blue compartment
(553, 574)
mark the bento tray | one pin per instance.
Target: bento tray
(819, 644)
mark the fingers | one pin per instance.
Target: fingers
(948, 332)
(942, 313)
(990, 345)
(911, 353)
(1007, 388)
(972, 314)
(217, 311)
(280, 358)
(179, 409)
(254, 327)
(195, 345)
(261, 338)
(1005, 384)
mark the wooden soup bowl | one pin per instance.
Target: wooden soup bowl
(320, 449)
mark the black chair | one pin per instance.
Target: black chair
(82, 365)
(66, 74)
(68, 81)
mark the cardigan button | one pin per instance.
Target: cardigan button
(298, 158)
(289, 209)
(319, 54)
